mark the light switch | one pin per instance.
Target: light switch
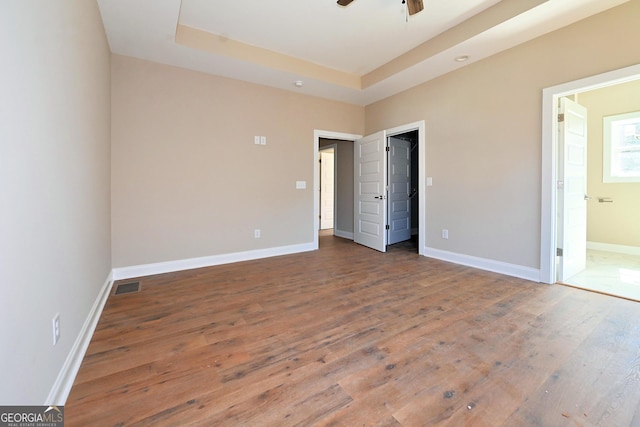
(301, 185)
(263, 140)
(256, 140)
(429, 181)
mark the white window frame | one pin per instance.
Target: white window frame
(609, 147)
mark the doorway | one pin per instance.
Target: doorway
(608, 260)
(327, 179)
(343, 183)
(389, 188)
(341, 227)
(553, 212)
(403, 198)
(340, 218)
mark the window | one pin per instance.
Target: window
(621, 156)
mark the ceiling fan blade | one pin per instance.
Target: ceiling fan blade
(414, 6)
(344, 2)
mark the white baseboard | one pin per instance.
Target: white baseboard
(343, 234)
(608, 247)
(208, 261)
(62, 386)
(513, 270)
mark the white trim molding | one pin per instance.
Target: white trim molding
(505, 268)
(67, 375)
(619, 249)
(121, 273)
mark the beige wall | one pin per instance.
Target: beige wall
(344, 184)
(54, 186)
(187, 179)
(613, 223)
(483, 134)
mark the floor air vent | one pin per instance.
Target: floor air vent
(127, 288)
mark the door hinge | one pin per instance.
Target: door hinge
(387, 148)
(387, 226)
(558, 251)
(560, 117)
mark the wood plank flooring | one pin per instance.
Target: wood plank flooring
(346, 336)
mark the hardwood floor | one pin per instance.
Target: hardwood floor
(346, 336)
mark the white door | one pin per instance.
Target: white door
(399, 203)
(326, 189)
(370, 191)
(572, 188)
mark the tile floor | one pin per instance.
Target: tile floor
(610, 273)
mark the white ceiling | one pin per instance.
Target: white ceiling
(353, 41)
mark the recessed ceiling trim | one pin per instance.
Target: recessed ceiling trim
(218, 44)
(477, 24)
(146, 29)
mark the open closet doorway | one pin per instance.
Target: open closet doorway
(403, 198)
(389, 196)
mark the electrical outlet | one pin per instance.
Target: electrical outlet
(256, 233)
(445, 233)
(55, 322)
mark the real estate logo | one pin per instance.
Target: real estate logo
(31, 416)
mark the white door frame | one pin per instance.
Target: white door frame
(420, 127)
(549, 209)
